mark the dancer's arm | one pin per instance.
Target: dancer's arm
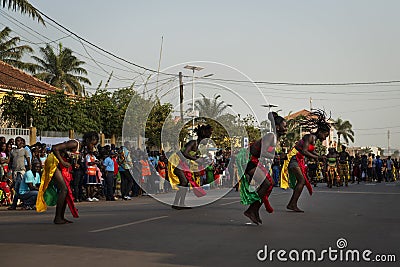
(190, 146)
(267, 146)
(309, 139)
(70, 145)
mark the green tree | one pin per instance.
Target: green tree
(293, 133)
(55, 113)
(155, 122)
(121, 99)
(210, 107)
(24, 7)
(253, 133)
(12, 53)
(18, 111)
(62, 70)
(320, 148)
(344, 129)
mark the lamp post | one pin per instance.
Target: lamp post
(269, 106)
(193, 68)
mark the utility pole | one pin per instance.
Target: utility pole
(388, 135)
(181, 94)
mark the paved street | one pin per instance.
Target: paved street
(144, 232)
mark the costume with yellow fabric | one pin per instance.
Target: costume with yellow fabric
(49, 169)
(173, 162)
(288, 179)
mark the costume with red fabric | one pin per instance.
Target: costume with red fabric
(67, 175)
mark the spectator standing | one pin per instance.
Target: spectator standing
(29, 153)
(116, 167)
(125, 164)
(4, 160)
(91, 180)
(162, 171)
(18, 157)
(389, 169)
(364, 167)
(379, 165)
(109, 178)
(146, 174)
(78, 171)
(369, 168)
(373, 168)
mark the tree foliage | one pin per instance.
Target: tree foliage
(17, 111)
(344, 129)
(24, 7)
(12, 53)
(62, 70)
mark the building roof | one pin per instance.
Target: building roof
(303, 112)
(13, 79)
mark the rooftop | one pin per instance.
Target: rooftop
(13, 79)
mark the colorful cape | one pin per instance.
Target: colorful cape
(50, 166)
(47, 193)
(247, 195)
(175, 161)
(288, 179)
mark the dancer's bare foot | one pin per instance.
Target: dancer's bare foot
(294, 208)
(258, 218)
(252, 216)
(59, 221)
(62, 221)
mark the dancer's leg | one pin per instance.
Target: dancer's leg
(183, 188)
(263, 190)
(62, 194)
(297, 190)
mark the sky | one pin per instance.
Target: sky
(307, 42)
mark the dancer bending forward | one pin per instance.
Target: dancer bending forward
(294, 174)
(256, 169)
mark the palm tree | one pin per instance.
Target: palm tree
(24, 7)
(11, 53)
(210, 107)
(60, 69)
(344, 129)
(294, 131)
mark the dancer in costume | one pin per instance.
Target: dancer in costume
(253, 167)
(332, 168)
(294, 171)
(52, 172)
(344, 159)
(179, 172)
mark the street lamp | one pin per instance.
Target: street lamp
(193, 68)
(269, 106)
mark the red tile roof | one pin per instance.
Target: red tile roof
(303, 112)
(15, 79)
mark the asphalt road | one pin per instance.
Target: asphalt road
(145, 232)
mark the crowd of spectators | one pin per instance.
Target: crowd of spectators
(110, 173)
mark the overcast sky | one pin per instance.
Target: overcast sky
(277, 41)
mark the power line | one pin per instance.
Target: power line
(366, 129)
(218, 79)
(50, 41)
(98, 47)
